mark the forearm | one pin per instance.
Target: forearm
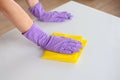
(16, 15)
(32, 3)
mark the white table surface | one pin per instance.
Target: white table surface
(20, 58)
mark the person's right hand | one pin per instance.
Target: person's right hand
(52, 43)
(62, 45)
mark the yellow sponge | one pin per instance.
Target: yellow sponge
(72, 58)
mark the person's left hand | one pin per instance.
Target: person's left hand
(55, 16)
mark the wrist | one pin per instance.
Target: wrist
(32, 3)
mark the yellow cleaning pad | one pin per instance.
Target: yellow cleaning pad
(72, 58)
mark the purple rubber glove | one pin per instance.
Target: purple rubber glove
(52, 43)
(54, 16)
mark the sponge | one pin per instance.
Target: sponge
(72, 58)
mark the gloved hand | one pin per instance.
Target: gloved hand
(52, 43)
(54, 16)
